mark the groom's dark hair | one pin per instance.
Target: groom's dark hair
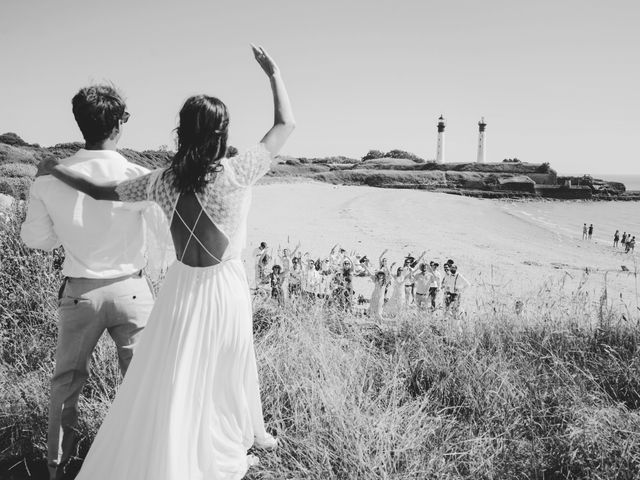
(97, 110)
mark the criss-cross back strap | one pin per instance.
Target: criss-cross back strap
(193, 235)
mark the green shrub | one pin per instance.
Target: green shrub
(17, 170)
(13, 139)
(543, 168)
(17, 187)
(407, 155)
(372, 154)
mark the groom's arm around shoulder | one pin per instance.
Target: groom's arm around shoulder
(132, 171)
(37, 230)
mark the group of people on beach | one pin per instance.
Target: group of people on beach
(330, 278)
(587, 232)
(628, 241)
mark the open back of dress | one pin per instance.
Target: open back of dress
(197, 239)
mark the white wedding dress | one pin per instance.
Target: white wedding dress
(189, 406)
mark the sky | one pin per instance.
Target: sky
(557, 81)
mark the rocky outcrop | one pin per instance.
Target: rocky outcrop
(564, 192)
(387, 164)
(519, 183)
(597, 186)
(291, 169)
(383, 178)
(489, 180)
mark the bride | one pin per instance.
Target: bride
(189, 406)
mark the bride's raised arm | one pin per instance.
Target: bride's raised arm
(283, 120)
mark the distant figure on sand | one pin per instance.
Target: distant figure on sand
(428, 282)
(343, 286)
(285, 257)
(276, 280)
(624, 238)
(258, 257)
(454, 284)
(384, 267)
(585, 231)
(409, 285)
(399, 298)
(436, 281)
(590, 231)
(616, 238)
(189, 406)
(295, 278)
(631, 245)
(376, 303)
(263, 265)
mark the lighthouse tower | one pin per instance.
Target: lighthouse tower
(481, 141)
(440, 149)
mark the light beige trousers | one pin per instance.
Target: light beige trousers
(88, 307)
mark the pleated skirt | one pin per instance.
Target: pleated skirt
(189, 406)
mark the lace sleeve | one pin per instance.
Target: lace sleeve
(251, 165)
(135, 189)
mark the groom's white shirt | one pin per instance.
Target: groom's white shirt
(101, 239)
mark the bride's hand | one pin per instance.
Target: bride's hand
(46, 166)
(265, 61)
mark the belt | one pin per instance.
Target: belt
(103, 281)
(137, 274)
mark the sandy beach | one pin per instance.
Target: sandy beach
(513, 248)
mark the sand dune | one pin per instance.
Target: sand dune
(512, 247)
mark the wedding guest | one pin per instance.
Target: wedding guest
(276, 280)
(454, 284)
(258, 257)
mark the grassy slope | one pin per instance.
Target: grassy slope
(553, 394)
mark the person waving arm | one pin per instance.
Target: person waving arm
(283, 120)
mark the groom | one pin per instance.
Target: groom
(103, 287)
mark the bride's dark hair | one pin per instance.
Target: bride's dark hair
(202, 142)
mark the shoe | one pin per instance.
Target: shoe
(56, 472)
(266, 442)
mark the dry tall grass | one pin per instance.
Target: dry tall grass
(551, 392)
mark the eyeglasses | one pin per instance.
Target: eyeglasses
(125, 117)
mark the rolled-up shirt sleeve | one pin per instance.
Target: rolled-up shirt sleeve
(37, 230)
